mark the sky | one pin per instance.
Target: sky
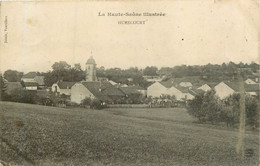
(193, 32)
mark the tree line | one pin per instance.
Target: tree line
(133, 75)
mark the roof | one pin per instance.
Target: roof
(248, 87)
(232, 84)
(252, 87)
(91, 61)
(65, 85)
(30, 75)
(168, 84)
(39, 80)
(103, 90)
(10, 86)
(130, 90)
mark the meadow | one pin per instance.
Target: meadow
(42, 135)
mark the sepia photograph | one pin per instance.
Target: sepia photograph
(129, 83)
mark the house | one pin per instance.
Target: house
(249, 81)
(187, 93)
(103, 91)
(62, 87)
(29, 77)
(226, 88)
(13, 87)
(205, 87)
(32, 86)
(158, 89)
(33, 77)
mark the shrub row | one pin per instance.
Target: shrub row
(207, 107)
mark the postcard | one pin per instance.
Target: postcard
(162, 82)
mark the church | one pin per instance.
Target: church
(92, 88)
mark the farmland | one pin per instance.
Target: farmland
(40, 135)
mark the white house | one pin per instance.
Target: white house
(156, 90)
(249, 81)
(62, 87)
(223, 90)
(80, 92)
(204, 87)
(103, 91)
(167, 88)
(33, 77)
(176, 92)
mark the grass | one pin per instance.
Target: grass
(40, 135)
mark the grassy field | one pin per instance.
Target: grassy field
(39, 135)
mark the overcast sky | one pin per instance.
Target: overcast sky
(193, 32)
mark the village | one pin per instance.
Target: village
(161, 91)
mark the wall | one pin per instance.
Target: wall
(80, 92)
(156, 90)
(223, 91)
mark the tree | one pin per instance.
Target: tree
(77, 66)
(150, 71)
(62, 65)
(3, 88)
(63, 71)
(211, 106)
(13, 75)
(231, 110)
(252, 112)
(195, 107)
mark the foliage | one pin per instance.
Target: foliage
(230, 113)
(63, 71)
(195, 107)
(211, 72)
(150, 71)
(13, 75)
(96, 104)
(252, 112)
(86, 101)
(208, 107)
(23, 96)
(3, 87)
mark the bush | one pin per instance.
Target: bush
(86, 102)
(96, 104)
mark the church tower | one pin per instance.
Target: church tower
(91, 70)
